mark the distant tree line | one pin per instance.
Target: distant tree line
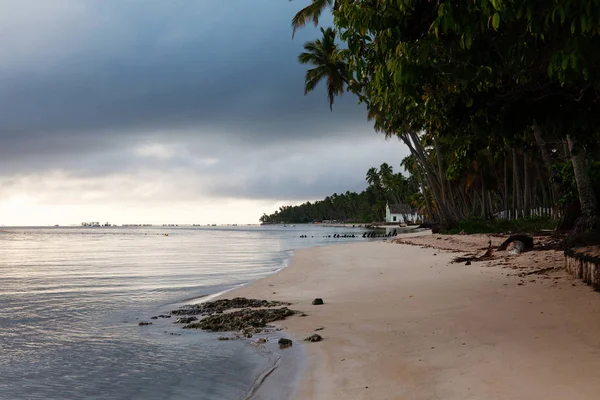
(364, 207)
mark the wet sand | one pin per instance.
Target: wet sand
(402, 322)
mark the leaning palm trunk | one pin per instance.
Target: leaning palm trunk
(440, 168)
(587, 197)
(446, 215)
(425, 197)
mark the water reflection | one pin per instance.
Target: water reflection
(72, 298)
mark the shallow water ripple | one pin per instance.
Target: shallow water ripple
(71, 300)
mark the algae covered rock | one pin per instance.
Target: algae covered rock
(186, 320)
(219, 306)
(246, 320)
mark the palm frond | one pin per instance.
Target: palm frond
(312, 12)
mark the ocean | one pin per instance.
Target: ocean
(71, 300)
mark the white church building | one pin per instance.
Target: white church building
(399, 213)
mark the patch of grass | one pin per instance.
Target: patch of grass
(531, 225)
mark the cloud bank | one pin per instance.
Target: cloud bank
(108, 106)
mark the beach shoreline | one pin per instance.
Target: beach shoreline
(402, 321)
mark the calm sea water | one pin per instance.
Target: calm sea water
(71, 300)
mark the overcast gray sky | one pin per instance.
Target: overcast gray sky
(182, 111)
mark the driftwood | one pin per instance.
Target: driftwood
(487, 256)
(526, 239)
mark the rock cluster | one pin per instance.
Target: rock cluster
(219, 306)
(247, 320)
(160, 316)
(283, 343)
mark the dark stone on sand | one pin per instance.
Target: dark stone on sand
(247, 320)
(313, 338)
(319, 329)
(153, 317)
(144, 323)
(283, 343)
(218, 306)
(317, 302)
(164, 316)
(186, 320)
(468, 263)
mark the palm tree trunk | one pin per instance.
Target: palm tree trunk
(547, 159)
(587, 197)
(425, 197)
(447, 216)
(517, 181)
(440, 168)
(542, 186)
(514, 191)
(526, 187)
(506, 185)
(483, 211)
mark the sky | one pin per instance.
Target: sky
(179, 111)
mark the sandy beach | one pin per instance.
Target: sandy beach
(401, 321)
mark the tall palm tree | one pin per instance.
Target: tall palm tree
(312, 12)
(386, 174)
(373, 177)
(328, 64)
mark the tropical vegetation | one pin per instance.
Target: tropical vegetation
(498, 101)
(384, 186)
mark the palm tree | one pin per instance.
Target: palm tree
(587, 197)
(312, 12)
(328, 64)
(386, 174)
(373, 177)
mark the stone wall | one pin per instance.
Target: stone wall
(584, 263)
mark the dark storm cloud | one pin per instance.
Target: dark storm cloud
(207, 91)
(138, 66)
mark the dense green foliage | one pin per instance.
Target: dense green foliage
(532, 224)
(488, 95)
(565, 179)
(364, 207)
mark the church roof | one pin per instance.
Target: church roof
(400, 209)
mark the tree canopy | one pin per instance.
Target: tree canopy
(487, 94)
